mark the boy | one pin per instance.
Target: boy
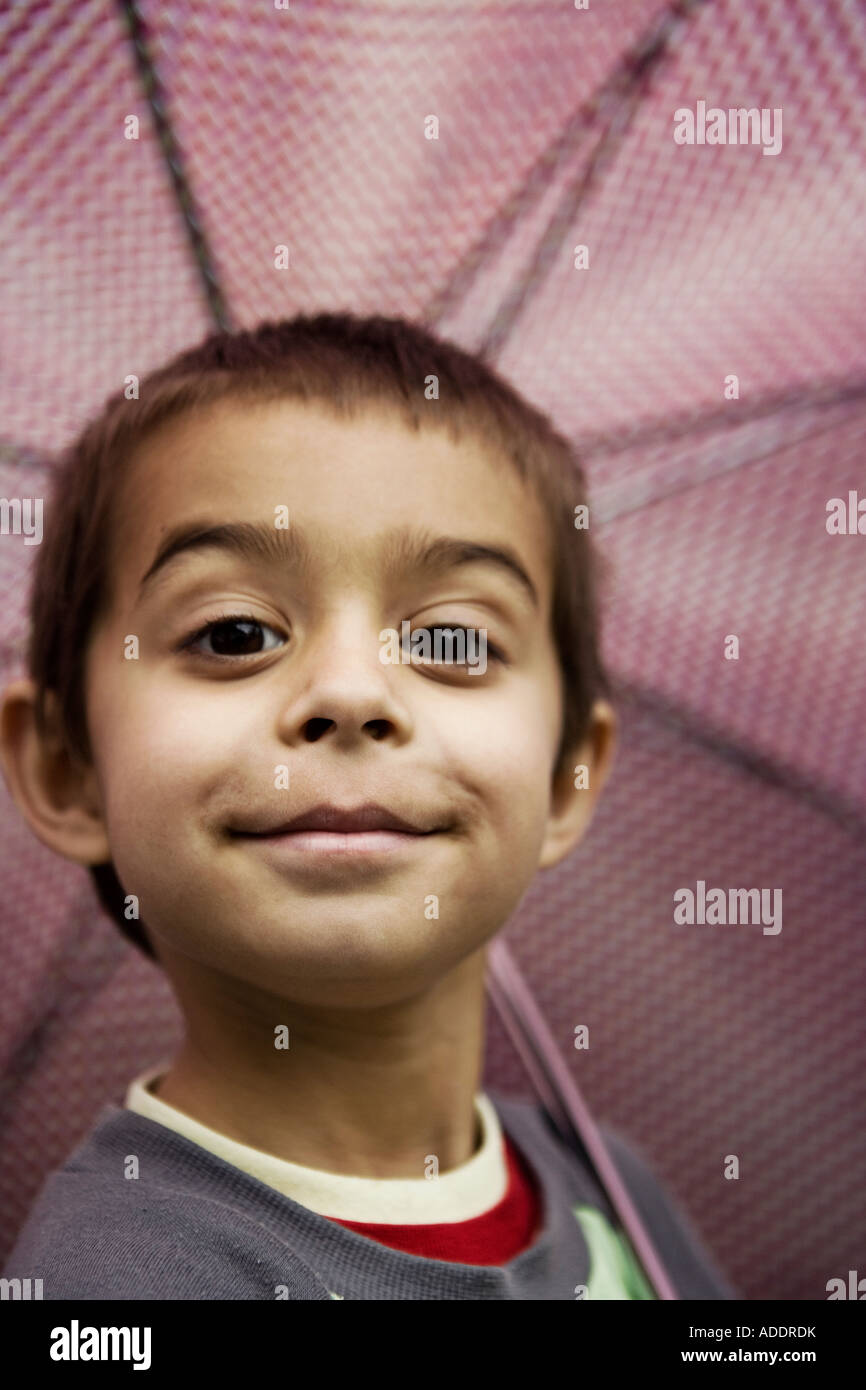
(315, 839)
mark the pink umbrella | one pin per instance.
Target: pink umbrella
(550, 184)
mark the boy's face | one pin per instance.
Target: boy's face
(193, 746)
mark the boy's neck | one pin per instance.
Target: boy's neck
(369, 1093)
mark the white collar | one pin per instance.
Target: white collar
(458, 1195)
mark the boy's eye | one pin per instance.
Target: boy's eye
(236, 635)
(240, 635)
(445, 650)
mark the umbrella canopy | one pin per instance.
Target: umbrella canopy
(547, 184)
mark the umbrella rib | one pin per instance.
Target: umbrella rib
(621, 97)
(702, 476)
(772, 771)
(627, 83)
(174, 160)
(834, 391)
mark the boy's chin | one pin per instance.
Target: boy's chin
(358, 959)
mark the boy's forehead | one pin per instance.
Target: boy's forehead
(344, 482)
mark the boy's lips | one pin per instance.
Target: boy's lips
(342, 820)
(340, 835)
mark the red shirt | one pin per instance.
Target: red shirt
(493, 1238)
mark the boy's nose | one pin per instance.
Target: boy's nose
(340, 686)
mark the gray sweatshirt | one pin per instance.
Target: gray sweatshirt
(192, 1226)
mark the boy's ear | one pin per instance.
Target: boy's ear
(577, 785)
(57, 794)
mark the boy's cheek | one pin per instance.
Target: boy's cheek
(167, 754)
(138, 720)
(510, 759)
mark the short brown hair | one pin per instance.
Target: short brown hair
(345, 363)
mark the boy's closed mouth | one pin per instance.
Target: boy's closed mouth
(364, 830)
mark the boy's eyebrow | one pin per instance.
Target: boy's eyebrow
(407, 549)
(418, 550)
(252, 540)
